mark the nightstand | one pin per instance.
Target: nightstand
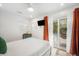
(25, 35)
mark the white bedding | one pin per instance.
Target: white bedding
(27, 47)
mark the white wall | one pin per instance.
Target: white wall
(12, 26)
(37, 31)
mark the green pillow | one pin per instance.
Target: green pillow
(3, 46)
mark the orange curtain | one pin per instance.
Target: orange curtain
(46, 28)
(75, 33)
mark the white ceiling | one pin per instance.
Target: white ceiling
(39, 8)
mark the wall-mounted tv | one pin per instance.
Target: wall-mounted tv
(41, 23)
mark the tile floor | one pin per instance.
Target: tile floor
(56, 51)
(59, 52)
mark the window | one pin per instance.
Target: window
(60, 33)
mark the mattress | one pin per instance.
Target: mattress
(27, 47)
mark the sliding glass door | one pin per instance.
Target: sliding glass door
(55, 33)
(60, 33)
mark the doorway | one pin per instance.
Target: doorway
(60, 33)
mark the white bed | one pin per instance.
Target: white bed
(28, 47)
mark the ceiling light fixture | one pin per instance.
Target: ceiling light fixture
(30, 9)
(62, 4)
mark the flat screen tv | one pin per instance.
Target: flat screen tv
(41, 23)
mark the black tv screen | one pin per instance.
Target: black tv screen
(41, 23)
